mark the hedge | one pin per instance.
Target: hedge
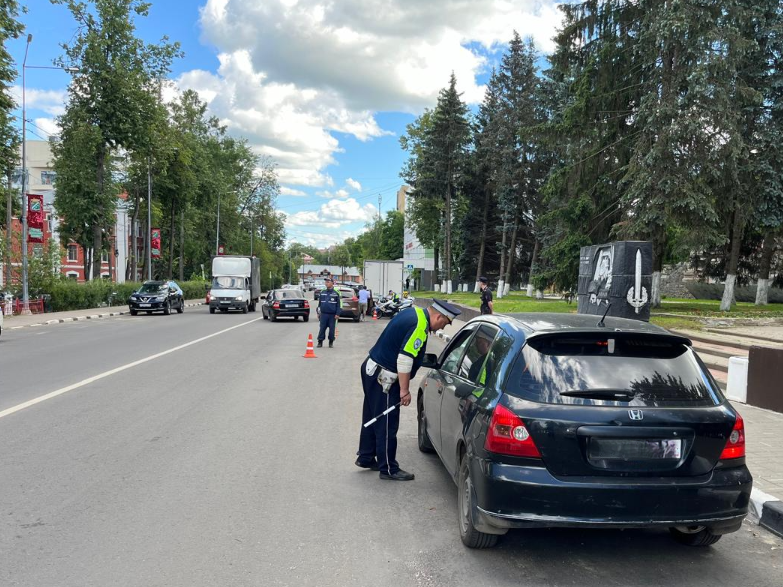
(70, 295)
(714, 291)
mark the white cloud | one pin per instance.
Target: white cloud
(292, 72)
(50, 101)
(286, 191)
(353, 184)
(340, 194)
(46, 127)
(321, 240)
(333, 214)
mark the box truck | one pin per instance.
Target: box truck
(236, 283)
(382, 276)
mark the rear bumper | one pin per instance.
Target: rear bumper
(291, 312)
(513, 496)
(147, 307)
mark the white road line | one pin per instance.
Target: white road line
(105, 374)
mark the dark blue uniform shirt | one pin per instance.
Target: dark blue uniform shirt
(329, 302)
(407, 334)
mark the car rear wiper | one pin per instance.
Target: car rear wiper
(619, 395)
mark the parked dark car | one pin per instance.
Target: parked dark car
(552, 420)
(157, 296)
(349, 303)
(286, 303)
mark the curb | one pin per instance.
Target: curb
(766, 511)
(89, 317)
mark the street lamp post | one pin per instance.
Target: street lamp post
(217, 232)
(25, 289)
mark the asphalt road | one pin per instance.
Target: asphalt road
(229, 462)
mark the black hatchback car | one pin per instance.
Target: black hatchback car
(286, 303)
(157, 296)
(551, 420)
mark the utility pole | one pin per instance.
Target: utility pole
(217, 232)
(25, 289)
(380, 238)
(149, 221)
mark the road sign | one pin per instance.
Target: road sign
(409, 266)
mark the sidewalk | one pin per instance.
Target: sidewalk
(16, 322)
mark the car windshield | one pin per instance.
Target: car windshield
(288, 294)
(149, 288)
(346, 293)
(584, 369)
(227, 282)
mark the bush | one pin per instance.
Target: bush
(714, 291)
(70, 295)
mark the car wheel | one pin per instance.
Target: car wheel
(471, 537)
(306, 318)
(181, 307)
(212, 310)
(252, 306)
(133, 312)
(425, 444)
(357, 318)
(264, 315)
(274, 317)
(245, 308)
(167, 309)
(694, 535)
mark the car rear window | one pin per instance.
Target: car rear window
(650, 370)
(288, 294)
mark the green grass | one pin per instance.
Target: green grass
(687, 311)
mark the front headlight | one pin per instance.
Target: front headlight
(238, 298)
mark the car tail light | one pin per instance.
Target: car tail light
(307, 304)
(735, 445)
(354, 299)
(508, 435)
(276, 305)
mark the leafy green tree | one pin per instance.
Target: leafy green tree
(114, 91)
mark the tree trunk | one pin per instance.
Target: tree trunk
(9, 218)
(437, 264)
(511, 254)
(170, 272)
(182, 244)
(731, 272)
(534, 259)
(86, 260)
(97, 229)
(110, 258)
(483, 245)
(659, 247)
(501, 283)
(767, 252)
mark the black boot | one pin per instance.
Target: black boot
(320, 344)
(331, 344)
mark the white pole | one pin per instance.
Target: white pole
(25, 287)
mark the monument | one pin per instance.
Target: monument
(618, 273)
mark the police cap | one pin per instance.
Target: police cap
(449, 310)
(483, 279)
(328, 279)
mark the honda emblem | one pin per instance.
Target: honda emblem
(635, 414)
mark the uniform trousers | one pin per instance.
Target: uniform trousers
(379, 441)
(327, 321)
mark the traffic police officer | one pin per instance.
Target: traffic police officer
(386, 375)
(486, 296)
(328, 311)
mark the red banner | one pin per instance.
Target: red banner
(35, 219)
(155, 241)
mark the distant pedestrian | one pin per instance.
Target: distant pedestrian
(386, 376)
(486, 296)
(407, 284)
(328, 310)
(364, 299)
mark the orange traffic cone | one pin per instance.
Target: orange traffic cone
(310, 353)
(375, 313)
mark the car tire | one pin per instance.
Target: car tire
(167, 309)
(425, 444)
(357, 318)
(695, 536)
(212, 310)
(246, 308)
(181, 307)
(470, 537)
(134, 312)
(252, 306)
(264, 315)
(306, 318)
(274, 317)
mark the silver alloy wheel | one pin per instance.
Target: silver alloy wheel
(464, 518)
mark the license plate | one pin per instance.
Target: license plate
(632, 449)
(291, 306)
(145, 305)
(225, 301)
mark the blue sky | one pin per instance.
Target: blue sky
(325, 90)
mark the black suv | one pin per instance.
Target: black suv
(157, 296)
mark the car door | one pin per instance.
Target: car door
(267, 309)
(463, 388)
(439, 379)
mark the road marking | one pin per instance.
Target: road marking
(105, 374)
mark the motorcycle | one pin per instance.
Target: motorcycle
(387, 308)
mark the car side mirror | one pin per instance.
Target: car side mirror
(430, 361)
